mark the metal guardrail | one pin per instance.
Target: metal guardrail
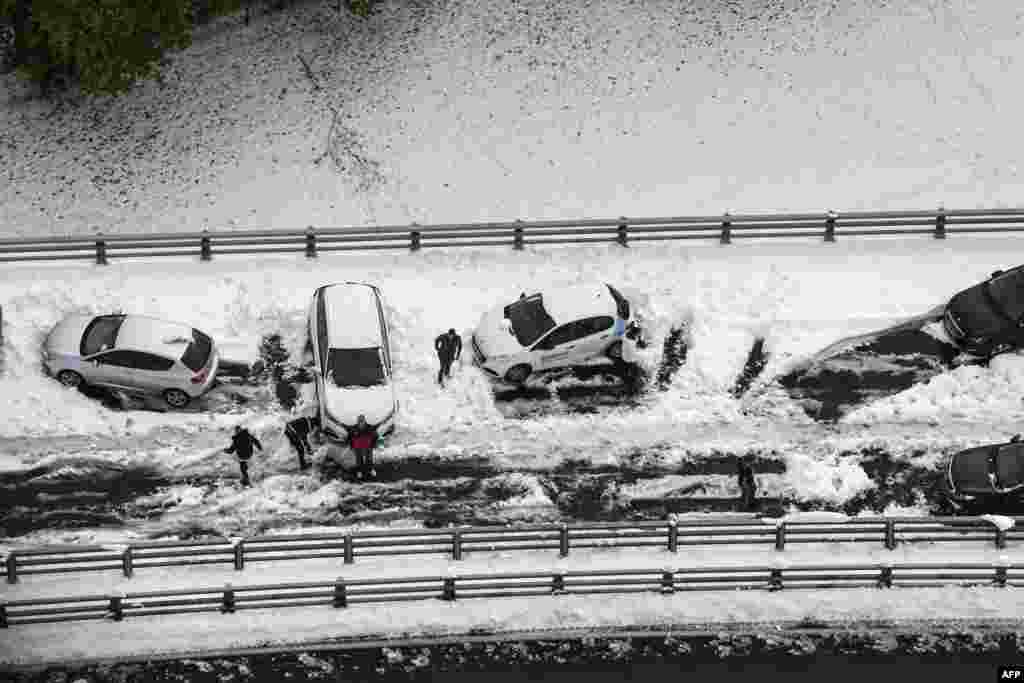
(668, 535)
(517, 234)
(342, 593)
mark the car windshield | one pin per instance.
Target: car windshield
(355, 367)
(529, 319)
(198, 351)
(1010, 466)
(101, 334)
(1007, 291)
(621, 304)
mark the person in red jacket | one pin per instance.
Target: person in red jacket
(363, 438)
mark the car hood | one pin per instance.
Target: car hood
(493, 336)
(969, 470)
(66, 336)
(974, 315)
(345, 405)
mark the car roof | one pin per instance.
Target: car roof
(353, 318)
(578, 301)
(154, 335)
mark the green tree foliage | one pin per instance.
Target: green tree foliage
(104, 45)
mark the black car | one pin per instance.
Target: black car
(988, 318)
(987, 476)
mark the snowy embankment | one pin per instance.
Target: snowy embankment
(464, 111)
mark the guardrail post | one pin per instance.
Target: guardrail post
(1, 325)
(1000, 537)
(726, 237)
(340, 593)
(890, 534)
(457, 545)
(117, 606)
(310, 242)
(775, 580)
(558, 583)
(563, 541)
(3, 615)
(12, 567)
(622, 236)
(885, 577)
(227, 604)
(101, 250)
(517, 237)
(830, 227)
(205, 253)
(238, 548)
(127, 568)
(414, 236)
(673, 536)
(350, 555)
(780, 536)
(448, 592)
(668, 585)
(940, 224)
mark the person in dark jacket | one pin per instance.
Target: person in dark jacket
(449, 349)
(285, 391)
(298, 431)
(363, 438)
(242, 442)
(748, 485)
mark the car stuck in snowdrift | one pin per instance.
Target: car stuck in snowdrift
(132, 353)
(584, 325)
(990, 476)
(352, 357)
(988, 318)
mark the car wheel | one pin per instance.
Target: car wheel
(517, 374)
(70, 378)
(176, 398)
(614, 351)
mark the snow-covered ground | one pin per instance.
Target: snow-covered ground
(495, 111)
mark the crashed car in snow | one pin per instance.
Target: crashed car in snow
(584, 325)
(132, 353)
(988, 318)
(352, 358)
(987, 475)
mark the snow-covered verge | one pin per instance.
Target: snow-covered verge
(584, 108)
(268, 628)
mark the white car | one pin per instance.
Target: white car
(352, 358)
(134, 353)
(561, 328)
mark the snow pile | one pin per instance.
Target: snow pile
(1000, 522)
(527, 494)
(829, 479)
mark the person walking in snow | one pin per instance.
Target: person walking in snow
(285, 391)
(449, 349)
(748, 485)
(298, 431)
(362, 438)
(242, 442)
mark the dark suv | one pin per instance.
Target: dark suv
(988, 318)
(987, 476)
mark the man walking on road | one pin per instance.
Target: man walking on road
(449, 349)
(298, 431)
(748, 485)
(242, 442)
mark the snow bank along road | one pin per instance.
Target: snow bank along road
(799, 297)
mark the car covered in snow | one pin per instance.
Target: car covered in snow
(352, 358)
(987, 475)
(583, 325)
(132, 353)
(988, 318)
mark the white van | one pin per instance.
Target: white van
(352, 357)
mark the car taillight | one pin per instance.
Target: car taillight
(200, 376)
